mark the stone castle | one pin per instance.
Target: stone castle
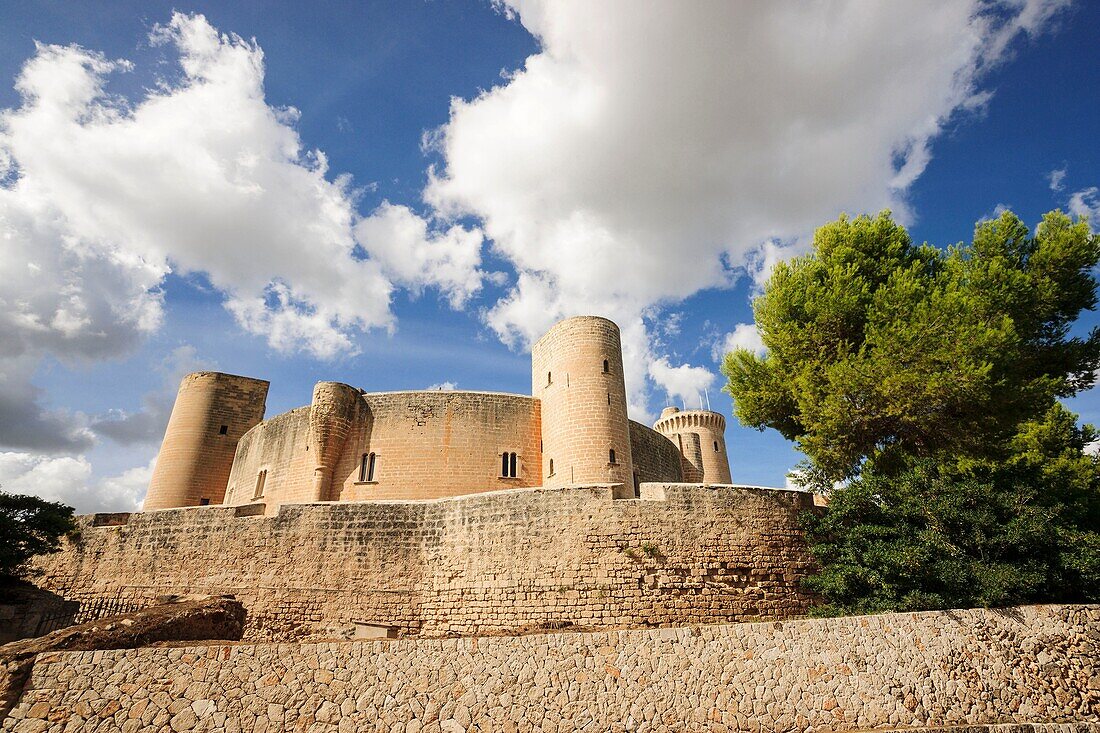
(505, 520)
(351, 445)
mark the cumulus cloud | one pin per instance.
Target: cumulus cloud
(68, 480)
(743, 336)
(684, 384)
(412, 256)
(101, 197)
(647, 152)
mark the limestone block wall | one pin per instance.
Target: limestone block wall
(279, 447)
(485, 563)
(211, 413)
(577, 373)
(656, 458)
(1029, 665)
(427, 444)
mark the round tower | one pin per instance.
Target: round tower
(331, 413)
(701, 437)
(577, 374)
(211, 413)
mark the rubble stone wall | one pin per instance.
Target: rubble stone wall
(1034, 664)
(487, 563)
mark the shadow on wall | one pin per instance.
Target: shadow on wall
(27, 611)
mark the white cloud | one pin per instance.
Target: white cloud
(68, 479)
(647, 151)
(442, 387)
(1056, 178)
(743, 336)
(412, 256)
(683, 384)
(1086, 202)
(101, 197)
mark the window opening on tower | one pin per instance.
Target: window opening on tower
(366, 467)
(508, 465)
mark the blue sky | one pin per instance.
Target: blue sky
(491, 169)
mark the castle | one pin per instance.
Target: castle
(362, 517)
(352, 445)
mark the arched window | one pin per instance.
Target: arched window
(261, 479)
(611, 456)
(551, 467)
(716, 446)
(606, 366)
(366, 467)
(508, 465)
(609, 398)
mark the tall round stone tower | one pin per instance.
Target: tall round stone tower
(701, 436)
(577, 374)
(211, 413)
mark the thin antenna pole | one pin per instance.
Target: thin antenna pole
(707, 393)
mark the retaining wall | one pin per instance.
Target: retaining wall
(521, 559)
(1035, 664)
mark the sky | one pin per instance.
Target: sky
(404, 195)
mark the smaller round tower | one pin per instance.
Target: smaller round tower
(700, 435)
(211, 413)
(331, 413)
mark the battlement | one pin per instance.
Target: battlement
(678, 421)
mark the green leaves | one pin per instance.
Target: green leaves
(29, 526)
(956, 534)
(928, 380)
(880, 349)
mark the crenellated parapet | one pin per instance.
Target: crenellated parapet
(700, 436)
(690, 421)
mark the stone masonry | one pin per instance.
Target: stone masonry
(487, 563)
(1036, 664)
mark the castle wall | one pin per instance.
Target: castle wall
(427, 444)
(504, 561)
(1033, 666)
(211, 413)
(656, 458)
(583, 403)
(278, 446)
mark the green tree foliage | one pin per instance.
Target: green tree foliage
(963, 533)
(878, 348)
(929, 380)
(29, 526)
